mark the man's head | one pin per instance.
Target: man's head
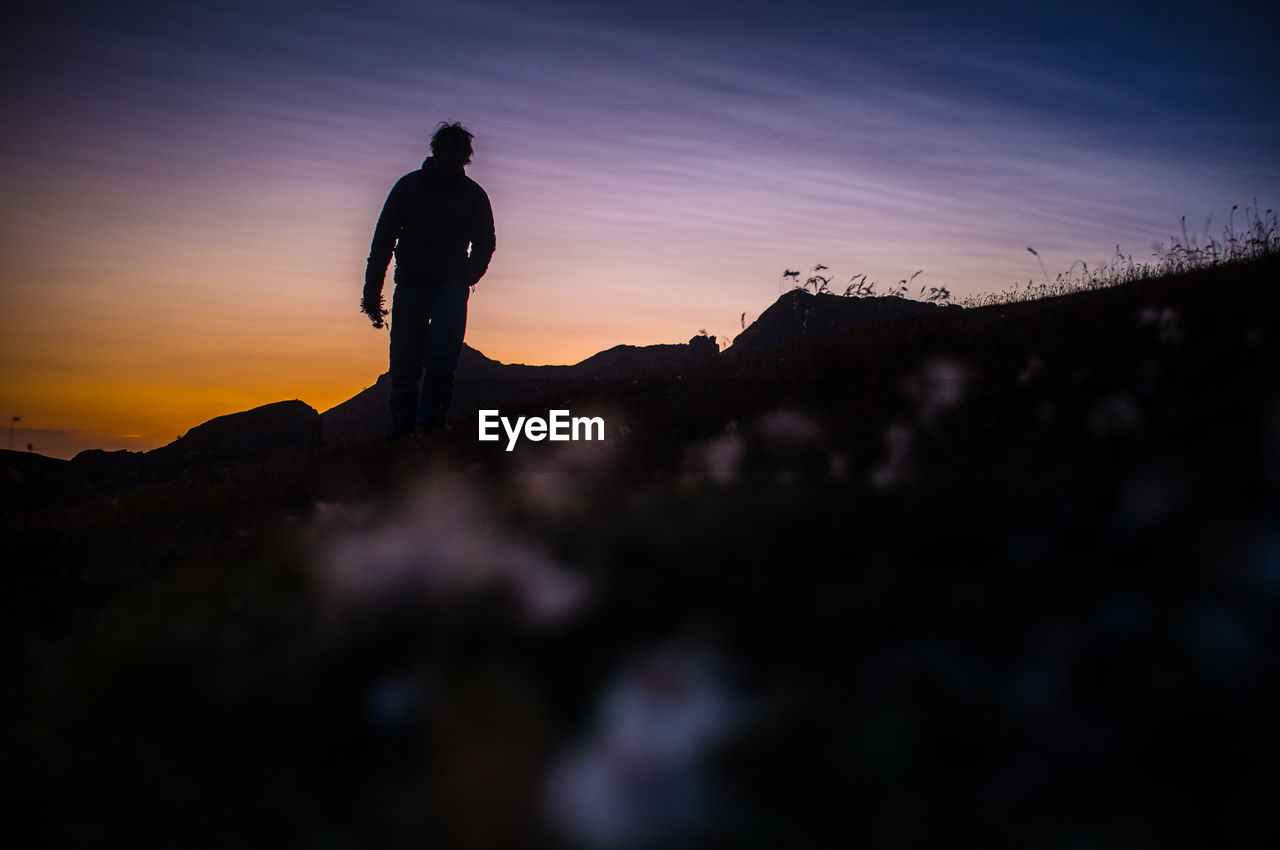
(451, 145)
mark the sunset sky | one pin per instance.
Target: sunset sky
(190, 189)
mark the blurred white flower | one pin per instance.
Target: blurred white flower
(937, 387)
(563, 482)
(1033, 367)
(639, 780)
(897, 467)
(441, 542)
(787, 426)
(1164, 320)
(721, 457)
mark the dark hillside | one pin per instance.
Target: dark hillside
(482, 382)
(1001, 576)
(236, 438)
(798, 315)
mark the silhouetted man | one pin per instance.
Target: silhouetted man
(430, 219)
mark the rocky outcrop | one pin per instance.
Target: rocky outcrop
(800, 315)
(272, 429)
(26, 476)
(266, 431)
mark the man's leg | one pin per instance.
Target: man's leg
(440, 354)
(409, 311)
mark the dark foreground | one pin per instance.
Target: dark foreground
(1006, 576)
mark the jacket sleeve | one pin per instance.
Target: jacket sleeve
(483, 240)
(384, 241)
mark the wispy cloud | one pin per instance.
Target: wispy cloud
(659, 164)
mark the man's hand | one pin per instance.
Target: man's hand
(372, 306)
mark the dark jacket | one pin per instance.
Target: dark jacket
(429, 219)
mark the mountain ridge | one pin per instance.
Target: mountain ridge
(480, 382)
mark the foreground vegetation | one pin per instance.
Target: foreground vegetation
(1258, 238)
(1007, 574)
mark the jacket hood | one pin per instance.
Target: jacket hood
(440, 176)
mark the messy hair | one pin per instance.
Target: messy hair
(452, 142)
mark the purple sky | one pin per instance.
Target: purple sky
(191, 188)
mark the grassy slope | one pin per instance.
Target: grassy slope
(1051, 626)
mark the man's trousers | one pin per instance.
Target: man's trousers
(427, 326)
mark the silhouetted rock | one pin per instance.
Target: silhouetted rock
(105, 470)
(625, 361)
(801, 315)
(26, 476)
(272, 429)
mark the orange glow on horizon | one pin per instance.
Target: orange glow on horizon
(154, 288)
(132, 362)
